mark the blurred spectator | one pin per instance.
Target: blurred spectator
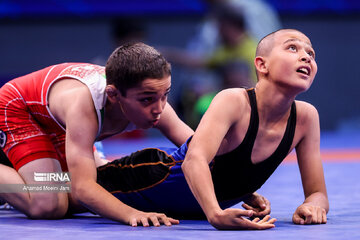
(124, 30)
(260, 20)
(221, 54)
(236, 47)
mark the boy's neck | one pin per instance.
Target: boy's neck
(114, 113)
(273, 103)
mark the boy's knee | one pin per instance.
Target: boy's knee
(53, 207)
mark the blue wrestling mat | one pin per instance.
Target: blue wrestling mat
(283, 189)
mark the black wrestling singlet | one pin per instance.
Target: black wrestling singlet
(233, 173)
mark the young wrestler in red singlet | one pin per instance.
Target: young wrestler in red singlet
(50, 119)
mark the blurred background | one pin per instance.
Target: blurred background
(208, 42)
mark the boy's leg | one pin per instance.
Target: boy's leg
(141, 169)
(36, 205)
(28, 137)
(151, 180)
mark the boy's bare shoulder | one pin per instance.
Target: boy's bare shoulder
(306, 112)
(233, 96)
(68, 97)
(229, 103)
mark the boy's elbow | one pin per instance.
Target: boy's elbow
(79, 191)
(191, 162)
(187, 163)
(184, 166)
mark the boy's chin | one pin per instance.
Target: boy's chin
(145, 126)
(298, 87)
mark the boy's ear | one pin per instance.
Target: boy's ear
(112, 92)
(260, 65)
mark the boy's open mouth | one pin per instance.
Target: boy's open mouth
(304, 70)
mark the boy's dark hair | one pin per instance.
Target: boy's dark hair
(132, 63)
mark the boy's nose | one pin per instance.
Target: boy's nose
(158, 108)
(305, 59)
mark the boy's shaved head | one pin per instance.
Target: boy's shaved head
(266, 44)
(279, 52)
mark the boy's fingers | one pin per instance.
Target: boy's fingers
(309, 219)
(267, 204)
(324, 219)
(262, 203)
(133, 222)
(244, 213)
(272, 221)
(265, 219)
(168, 221)
(298, 220)
(263, 209)
(144, 222)
(173, 221)
(264, 226)
(319, 216)
(308, 215)
(247, 206)
(155, 221)
(165, 220)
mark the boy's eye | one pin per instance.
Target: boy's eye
(146, 100)
(292, 48)
(311, 54)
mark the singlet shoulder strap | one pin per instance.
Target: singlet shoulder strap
(290, 130)
(250, 136)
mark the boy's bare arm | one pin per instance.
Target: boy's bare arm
(81, 129)
(316, 204)
(202, 149)
(173, 127)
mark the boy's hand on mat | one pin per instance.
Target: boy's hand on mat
(259, 204)
(309, 214)
(147, 218)
(232, 218)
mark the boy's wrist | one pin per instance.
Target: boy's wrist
(213, 214)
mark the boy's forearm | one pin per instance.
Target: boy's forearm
(200, 182)
(98, 200)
